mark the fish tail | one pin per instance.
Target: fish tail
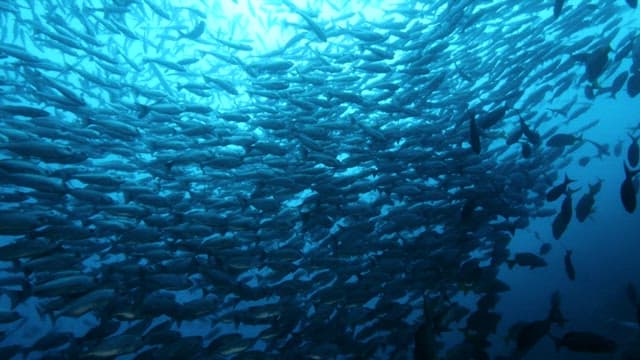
(568, 180)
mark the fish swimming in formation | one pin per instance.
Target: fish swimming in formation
(168, 178)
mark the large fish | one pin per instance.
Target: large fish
(628, 191)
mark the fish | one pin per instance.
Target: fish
(315, 28)
(632, 3)
(584, 207)
(617, 149)
(194, 33)
(544, 249)
(527, 259)
(568, 266)
(531, 135)
(596, 63)
(171, 177)
(558, 190)
(628, 191)
(562, 220)
(22, 110)
(528, 334)
(584, 161)
(562, 140)
(585, 342)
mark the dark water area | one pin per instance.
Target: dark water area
(319, 180)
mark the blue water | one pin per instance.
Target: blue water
(605, 247)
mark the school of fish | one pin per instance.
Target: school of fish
(167, 187)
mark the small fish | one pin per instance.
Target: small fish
(586, 202)
(562, 140)
(633, 3)
(533, 136)
(628, 191)
(617, 149)
(558, 190)
(545, 249)
(563, 218)
(195, 33)
(527, 259)
(584, 161)
(26, 111)
(568, 266)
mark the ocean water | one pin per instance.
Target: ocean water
(274, 179)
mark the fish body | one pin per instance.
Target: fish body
(568, 266)
(586, 342)
(628, 190)
(558, 190)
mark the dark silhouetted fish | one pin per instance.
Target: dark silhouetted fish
(527, 259)
(586, 342)
(558, 190)
(562, 140)
(628, 191)
(584, 207)
(545, 249)
(568, 266)
(562, 220)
